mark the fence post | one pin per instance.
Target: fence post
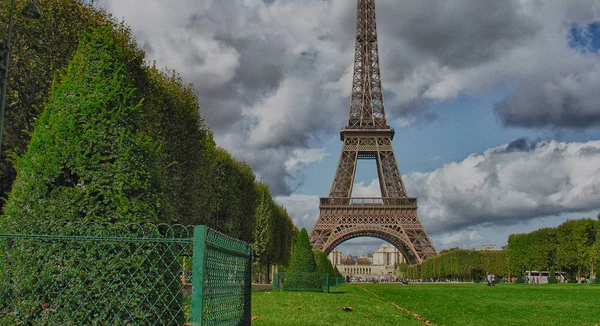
(248, 289)
(199, 258)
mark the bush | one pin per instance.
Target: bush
(172, 118)
(302, 274)
(40, 48)
(88, 162)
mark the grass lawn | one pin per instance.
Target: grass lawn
(441, 304)
(305, 308)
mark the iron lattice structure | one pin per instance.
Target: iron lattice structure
(393, 217)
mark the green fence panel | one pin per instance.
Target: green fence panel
(227, 285)
(122, 274)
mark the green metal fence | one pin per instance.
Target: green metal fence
(122, 274)
(327, 281)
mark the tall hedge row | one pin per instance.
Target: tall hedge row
(324, 265)
(40, 48)
(88, 161)
(274, 233)
(171, 117)
(572, 248)
(463, 265)
(201, 184)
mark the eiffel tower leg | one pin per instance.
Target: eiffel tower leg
(389, 175)
(344, 176)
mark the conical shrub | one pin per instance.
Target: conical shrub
(302, 274)
(88, 162)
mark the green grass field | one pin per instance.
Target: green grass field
(440, 304)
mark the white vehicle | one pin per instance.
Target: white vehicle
(541, 277)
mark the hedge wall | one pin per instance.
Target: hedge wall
(89, 162)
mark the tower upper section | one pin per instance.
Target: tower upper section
(366, 105)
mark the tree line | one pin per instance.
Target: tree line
(458, 265)
(571, 248)
(96, 133)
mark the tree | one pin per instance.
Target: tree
(235, 197)
(40, 49)
(403, 269)
(302, 274)
(576, 251)
(324, 266)
(264, 234)
(171, 116)
(88, 162)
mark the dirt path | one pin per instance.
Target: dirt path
(417, 316)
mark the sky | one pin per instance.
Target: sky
(495, 103)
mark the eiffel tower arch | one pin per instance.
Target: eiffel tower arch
(393, 216)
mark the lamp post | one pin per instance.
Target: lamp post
(30, 11)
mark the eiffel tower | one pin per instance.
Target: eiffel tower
(393, 217)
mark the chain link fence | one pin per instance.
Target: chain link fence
(122, 274)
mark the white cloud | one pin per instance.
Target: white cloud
(302, 157)
(303, 209)
(484, 198)
(274, 76)
(510, 183)
(371, 190)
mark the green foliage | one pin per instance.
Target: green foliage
(172, 118)
(40, 48)
(459, 264)
(88, 161)
(118, 141)
(302, 274)
(403, 268)
(532, 251)
(323, 264)
(572, 247)
(236, 197)
(286, 232)
(576, 246)
(264, 233)
(324, 267)
(552, 277)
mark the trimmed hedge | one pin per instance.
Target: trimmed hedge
(88, 162)
(302, 274)
(171, 116)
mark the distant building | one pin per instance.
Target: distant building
(335, 257)
(489, 247)
(387, 255)
(382, 264)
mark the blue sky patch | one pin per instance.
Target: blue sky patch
(585, 38)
